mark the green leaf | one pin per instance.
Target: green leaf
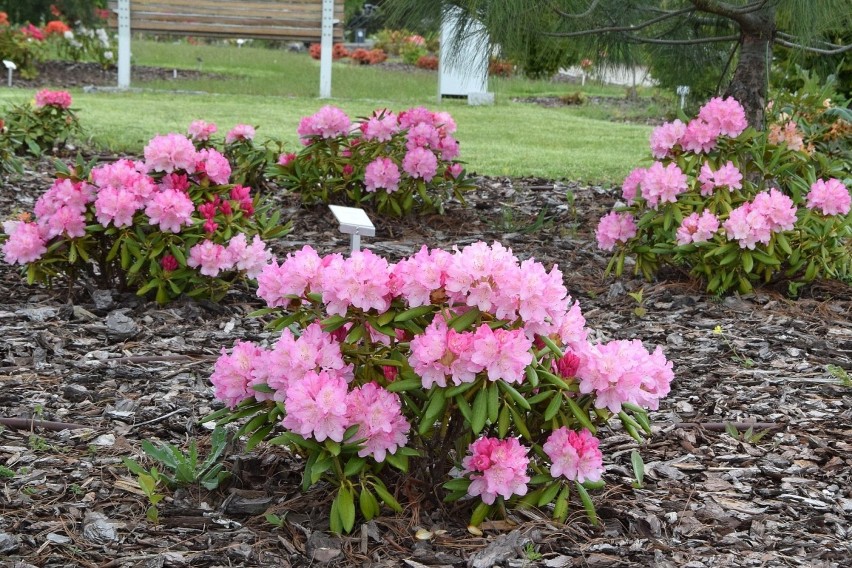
(552, 346)
(346, 508)
(638, 466)
(553, 407)
(457, 484)
(587, 503)
(405, 385)
(368, 504)
(748, 261)
(435, 408)
(560, 509)
(503, 421)
(549, 494)
(385, 496)
(354, 466)
(463, 321)
(514, 394)
(581, 415)
(399, 461)
(493, 400)
(414, 313)
(480, 411)
(479, 514)
(258, 436)
(335, 524)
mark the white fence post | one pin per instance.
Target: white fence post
(326, 41)
(123, 43)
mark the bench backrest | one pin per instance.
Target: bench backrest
(294, 20)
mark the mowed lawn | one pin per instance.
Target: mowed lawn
(278, 88)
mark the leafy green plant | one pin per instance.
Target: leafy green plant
(6, 472)
(749, 435)
(21, 48)
(397, 163)
(185, 468)
(36, 129)
(840, 374)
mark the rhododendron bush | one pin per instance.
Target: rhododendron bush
(469, 370)
(40, 126)
(399, 162)
(170, 224)
(735, 206)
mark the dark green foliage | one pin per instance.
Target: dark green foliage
(38, 11)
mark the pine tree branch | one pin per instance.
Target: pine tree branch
(727, 10)
(629, 28)
(694, 41)
(839, 49)
(565, 14)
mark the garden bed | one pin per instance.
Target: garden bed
(128, 370)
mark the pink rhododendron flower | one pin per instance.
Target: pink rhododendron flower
(697, 229)
(725, 116)
(444, 122)
(538, 297)
(416, 277)
(316, 407)
(574, 455)
(200, 130)
(706, 178)
(748, 226)
(662, 184)
(296, 276)
(169, 153)
(380, 128)
(614, 228)
(26, 242)
(286, 158)
(499, 467)
(381, 424)
(699, 137)
(449, 148)
(210, 257)
(292, 358)
(170, 209)
(630, 187)
(455, 170)
(503, 353)
(179, 182)
(665, 137)
(328, 122)
(116, 206)
(240, 132)
(124, 175)
(728, 176)
(63, 193)
(215, 165)
(251, 258)
(422, 136)
(232, 373)
(242, 195)
(66, 220)
(779, 210)
(623, 371)
(572, 329)
(830, 197)
(415, 116)
(420, 163)
(58, 99)
(381, 173)
(440, 352)
(475, 274)
(362, 280)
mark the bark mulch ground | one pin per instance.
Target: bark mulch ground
(120, 370)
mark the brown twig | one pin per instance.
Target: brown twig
(722, 426)
(31, 423)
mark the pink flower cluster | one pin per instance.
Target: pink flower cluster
(428, 142)
(788, 134)
(212, 258)
(830, 197)
(201, 131)
(309, 376)
(754, 222)
(27, 242)
(574, 455)
(61, 210)
(624, 371)
(718, 117)
(241, 132)
(614, 228)
(441, 352)
(697, 229)
(328, 122)
(498, 467)
(726, 176)
(58, 99)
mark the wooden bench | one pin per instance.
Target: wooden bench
(289, 20)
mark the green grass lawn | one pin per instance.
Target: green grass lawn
(273, 89)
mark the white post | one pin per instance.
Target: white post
(326, 41)
(123, 12)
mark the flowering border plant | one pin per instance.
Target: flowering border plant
(43, 125)
(733, 205)
(471, 364)
(399, 162)
(170, 224)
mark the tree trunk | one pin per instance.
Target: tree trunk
(749, 83)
